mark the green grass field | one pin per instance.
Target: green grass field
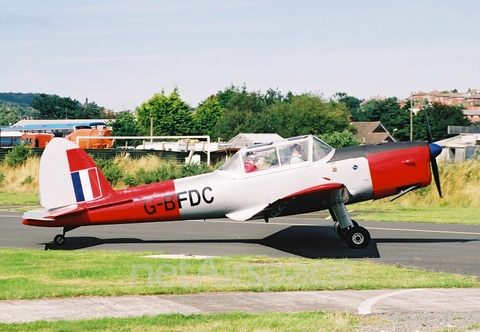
(31, 274)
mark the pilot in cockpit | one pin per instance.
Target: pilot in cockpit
(250, 160)
(296, 157)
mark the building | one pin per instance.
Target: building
(461, 147)
(470, 100)
(372, 132)
(243, 139)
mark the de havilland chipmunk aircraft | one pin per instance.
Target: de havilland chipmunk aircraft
(286, 177)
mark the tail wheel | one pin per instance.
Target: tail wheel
(357, 237)
(59, 240)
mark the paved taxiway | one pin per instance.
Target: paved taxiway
(356, 302)
(449, 248)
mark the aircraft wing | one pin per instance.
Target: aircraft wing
(315, 198)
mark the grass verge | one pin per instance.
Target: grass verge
(18, 199)
(28, 274)
(304, 321)
(379, 211)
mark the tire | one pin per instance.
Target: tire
(358, 237)
(342, 233)
(59, 240)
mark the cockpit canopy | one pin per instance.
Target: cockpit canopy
(283, 153)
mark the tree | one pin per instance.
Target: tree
(352, 103)
(308, 114)
(395, 119)
(340, 139)
(241, 112)
(206, 116)
(125, 124)
(89, 111)
(55, 107)
(440, 116)
(8, 115)
(170, 116)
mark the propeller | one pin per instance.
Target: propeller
(435, 150)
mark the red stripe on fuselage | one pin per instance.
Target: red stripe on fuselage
(149, 203)
(155, 202)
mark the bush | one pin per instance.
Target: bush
(194, 169)
(112, 172)
(18, 155)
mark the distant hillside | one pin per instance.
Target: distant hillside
(23, 99)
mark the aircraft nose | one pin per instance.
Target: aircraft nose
(435, 149)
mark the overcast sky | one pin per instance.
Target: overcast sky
(118, 54)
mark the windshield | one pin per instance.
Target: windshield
(320, 149)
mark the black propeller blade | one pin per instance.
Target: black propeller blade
(435, 150)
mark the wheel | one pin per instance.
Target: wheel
(341, 232)
(59, 240)
(357, 237)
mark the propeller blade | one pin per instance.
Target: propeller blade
(435, 150)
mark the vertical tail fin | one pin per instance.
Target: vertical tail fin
(69, 176)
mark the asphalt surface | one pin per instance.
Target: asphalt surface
(449, 248)
(435, 247)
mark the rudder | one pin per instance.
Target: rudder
(69, 176)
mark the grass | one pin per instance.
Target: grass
(27, 274)
(380, 211)
(12, 199)
(304, 321)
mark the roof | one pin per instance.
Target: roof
(372, 132)
(68, 124)
(247, 139)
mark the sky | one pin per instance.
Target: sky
(118, 54)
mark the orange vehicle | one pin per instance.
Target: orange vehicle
(94, 142)
(36, 140)
(40, 140)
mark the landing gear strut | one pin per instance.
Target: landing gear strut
(347, 229)
(59, 239)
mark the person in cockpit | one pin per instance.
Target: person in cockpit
(296, 157)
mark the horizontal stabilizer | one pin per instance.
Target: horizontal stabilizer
(37, 215)
(50, 215)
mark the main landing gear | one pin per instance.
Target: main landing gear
(347, 229)
(59, 239)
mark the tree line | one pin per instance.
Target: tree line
(236, 110)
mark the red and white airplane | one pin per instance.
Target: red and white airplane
(286, 177)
